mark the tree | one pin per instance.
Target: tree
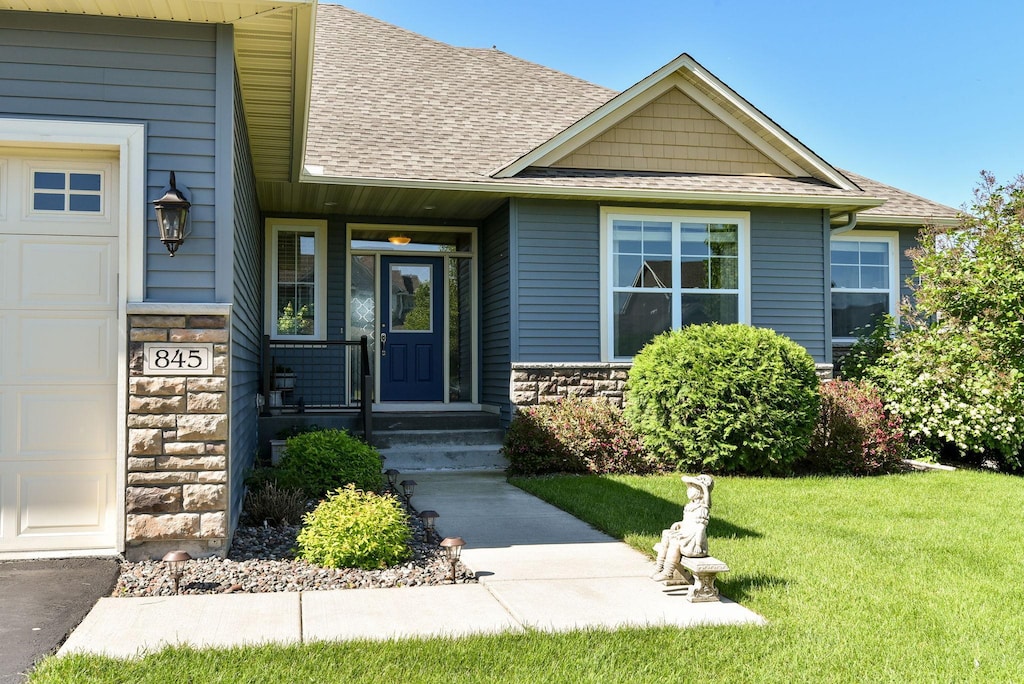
(972, 275)
(955, 372)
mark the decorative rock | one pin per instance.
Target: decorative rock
(163, 386)
(145, 442)
(213, 525)
(185, 449)
(201, 427)
(145, 527)
(194, 463)
(153, 500)
(207, 384)
(162, 478)
(207, 402)
(205, 497)
(199, 335)
(152, 420)
(156, 404)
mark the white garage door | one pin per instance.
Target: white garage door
(58, 352)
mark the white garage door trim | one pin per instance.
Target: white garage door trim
(128, 140)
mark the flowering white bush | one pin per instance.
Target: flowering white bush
(949, 386)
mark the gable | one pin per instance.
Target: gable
(672, 133)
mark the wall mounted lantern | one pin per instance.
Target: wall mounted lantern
(172, 216)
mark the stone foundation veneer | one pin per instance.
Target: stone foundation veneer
(544, 383)
(177, 436)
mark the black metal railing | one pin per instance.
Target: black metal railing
(321, 376)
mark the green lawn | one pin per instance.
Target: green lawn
(910, 578)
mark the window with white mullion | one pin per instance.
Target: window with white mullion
(864, 281)
(671, 270)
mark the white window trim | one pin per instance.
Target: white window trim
(66, 214)
(608, 214)
(319, 230)
(892, 239)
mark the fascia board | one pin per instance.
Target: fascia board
(905, 221)
(521, 189)
(302, 65)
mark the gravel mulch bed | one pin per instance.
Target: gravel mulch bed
(261, 560)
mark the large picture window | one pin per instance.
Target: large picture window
(666, 270)
(296, 254)
(864, 282)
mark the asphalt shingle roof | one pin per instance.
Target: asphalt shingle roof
(387, 103)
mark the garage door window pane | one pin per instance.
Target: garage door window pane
(46, 202)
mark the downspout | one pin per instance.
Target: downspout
(848, 226)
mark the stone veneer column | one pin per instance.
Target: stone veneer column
(177, 436)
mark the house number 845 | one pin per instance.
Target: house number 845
(178, 359)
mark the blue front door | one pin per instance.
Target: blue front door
(412, 329)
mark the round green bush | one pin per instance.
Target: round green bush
(724, 398)
(317, 462)
(854, 436)
(356, 529)
(573, 436)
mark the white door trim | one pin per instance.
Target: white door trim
(129, 140)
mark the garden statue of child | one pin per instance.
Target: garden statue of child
(689, 536)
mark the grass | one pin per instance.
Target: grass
(909, 578)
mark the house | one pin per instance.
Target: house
(498, 231)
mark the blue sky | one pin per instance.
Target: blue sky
(920, 95)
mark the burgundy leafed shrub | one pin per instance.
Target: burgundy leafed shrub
(573, 436)
(853, 435)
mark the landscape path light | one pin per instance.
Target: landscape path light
(176, 561)
(453, 549)
(408, 487)
(392, 476)
(429, 518)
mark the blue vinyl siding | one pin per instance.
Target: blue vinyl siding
(558, 266)
(787, 280)
(495, 309)
(109, 69)
(246, 323)
(558, 299)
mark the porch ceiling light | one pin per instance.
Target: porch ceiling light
(176, 561)
(172, 217)
(399, 239)
(408, 487)
(453, 549)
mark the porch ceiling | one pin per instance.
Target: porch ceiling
(377, 202)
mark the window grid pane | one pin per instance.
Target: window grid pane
(296, 283)
(667, 273)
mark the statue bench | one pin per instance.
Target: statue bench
(700, 574)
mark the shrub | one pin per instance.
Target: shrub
(573, 436)
(317, 462)
(853, 435)
(278, 506)
(356, 529)
(951, 386)
(868, 349)
(724, 398)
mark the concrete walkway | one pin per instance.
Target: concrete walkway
(537, 566)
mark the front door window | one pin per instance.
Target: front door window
(411, 342)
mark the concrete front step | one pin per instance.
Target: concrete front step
(385, 439)
(384, 421)
(444, 457)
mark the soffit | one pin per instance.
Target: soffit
(202, 11)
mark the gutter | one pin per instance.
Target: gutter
(848, 226)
